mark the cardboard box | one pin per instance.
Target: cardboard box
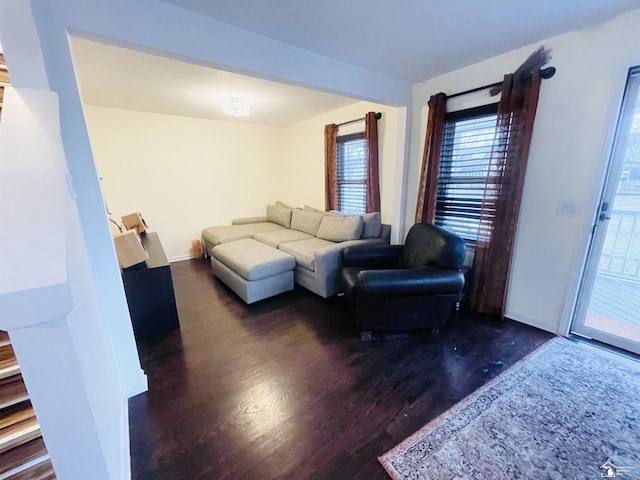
(134, 220)
(129, 249)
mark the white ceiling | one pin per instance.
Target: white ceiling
(412, 40)
(120, 78)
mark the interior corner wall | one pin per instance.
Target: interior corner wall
(301, 175)
(183, 174)
(572, 138)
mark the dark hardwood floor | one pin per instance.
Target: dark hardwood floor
(285, 388)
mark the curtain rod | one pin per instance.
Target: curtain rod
(378, 117)
(547, 73)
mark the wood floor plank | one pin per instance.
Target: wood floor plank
(284, 388)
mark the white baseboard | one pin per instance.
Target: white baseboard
(547, 327)
(138, 387)
(125, 448)
(180, 258)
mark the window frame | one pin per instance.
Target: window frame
(341, 141)
(445, 172)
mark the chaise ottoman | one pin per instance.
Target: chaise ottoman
(253, 270)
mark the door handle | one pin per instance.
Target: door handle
(603, 212)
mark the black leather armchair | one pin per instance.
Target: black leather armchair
(404, 287)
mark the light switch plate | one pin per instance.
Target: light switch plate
(568, 209)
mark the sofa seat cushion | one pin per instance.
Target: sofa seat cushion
(228, 233)
(277, 237)
(253, 260)
(303, 250)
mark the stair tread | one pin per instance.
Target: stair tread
(9, 370)
(8, 362)
(15, 413)
(22, 454)
(12, 391)
(6, 353)
(4, 336)
(41, 471)
(18, 425)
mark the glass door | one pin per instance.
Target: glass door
(608, 307)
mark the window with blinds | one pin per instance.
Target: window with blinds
(464, 166)
(352, 173)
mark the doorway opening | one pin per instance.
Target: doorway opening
(608, 308)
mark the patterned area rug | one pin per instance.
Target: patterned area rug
(566, 411)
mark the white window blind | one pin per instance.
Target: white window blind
(352, 173)
(464, 162)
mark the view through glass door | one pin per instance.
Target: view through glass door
(609, 302)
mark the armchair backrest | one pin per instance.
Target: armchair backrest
(430, 246)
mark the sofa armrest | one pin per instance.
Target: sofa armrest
(327, 262)
(245, 220)
(372, 256)
(385, 232)
(407, 282)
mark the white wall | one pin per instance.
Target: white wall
(301, 177)
(183, 174)
(49, 308)
(572, 137)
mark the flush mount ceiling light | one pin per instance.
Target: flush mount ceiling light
(236, 107)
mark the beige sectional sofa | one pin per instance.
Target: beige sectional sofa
(314, 239)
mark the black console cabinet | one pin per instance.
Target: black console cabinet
(149, 290)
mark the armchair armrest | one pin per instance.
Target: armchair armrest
(372, 256)
(328, 263)
(406, 282)
(245, 220)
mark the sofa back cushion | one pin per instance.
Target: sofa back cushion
(279, 215)
(340, 228)
(372, 225)
(305, 221)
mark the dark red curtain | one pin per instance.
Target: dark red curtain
(330, 168)
(503, 191)
(371, 152)
(428, 187)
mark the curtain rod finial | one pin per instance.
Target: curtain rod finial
(548, 72)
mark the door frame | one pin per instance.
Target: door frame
(600, 224)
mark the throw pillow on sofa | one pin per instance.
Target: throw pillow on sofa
(308, 208)
(339, 228)
(283, 205)
(279, 215)
(305, 221)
